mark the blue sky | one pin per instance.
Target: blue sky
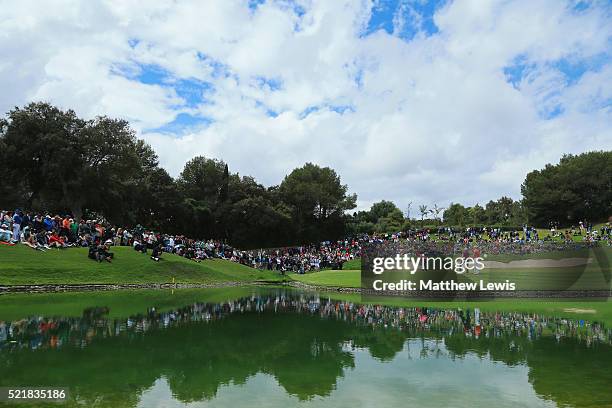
(375, 89)
(401, 19)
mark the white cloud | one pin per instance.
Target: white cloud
(432, 119)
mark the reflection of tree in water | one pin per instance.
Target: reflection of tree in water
(303, 342)
(383, 343)
(564, 371)
(304, 354)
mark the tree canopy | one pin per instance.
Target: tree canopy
(52, 160)
(502, 212)
(577, 188)
(317, 201)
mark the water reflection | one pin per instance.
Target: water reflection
(305, 342)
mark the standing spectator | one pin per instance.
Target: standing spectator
(17, 226)
(65, 229)
(74, 227)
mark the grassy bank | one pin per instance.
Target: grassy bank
(343, 278)
(595, 275)
(20, 265)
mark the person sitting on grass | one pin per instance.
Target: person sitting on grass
(99, 252)
(104, 254)
(201, 254)
(5, 234)
(56, 241)
(92, 252)
(83, 240)
(30, 240)
(138, 246)
(157, 252)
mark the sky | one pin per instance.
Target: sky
(422, 102)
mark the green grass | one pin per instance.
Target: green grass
(352, 264)
(572, 309)
(20, 265)
(343, 278)
(525, 279)
(591, 277)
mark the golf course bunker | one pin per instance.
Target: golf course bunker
(576, 310)
(538, 263)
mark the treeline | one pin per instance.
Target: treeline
(52, 160)
(385, 216)
(504, 212)
(578, 188)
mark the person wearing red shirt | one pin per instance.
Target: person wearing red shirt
(56, 241)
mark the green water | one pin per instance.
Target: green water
(278, 348)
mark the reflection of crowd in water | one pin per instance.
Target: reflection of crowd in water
(42, 332)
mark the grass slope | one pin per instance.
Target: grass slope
(343, 278)
(591, 277)
(21, 265)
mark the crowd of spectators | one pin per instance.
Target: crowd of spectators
(45, 231)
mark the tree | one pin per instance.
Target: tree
(477, 215)
(383, 209)
(394, 222)
(60, 162)
(223, 190)
(386, 217)
(408, 208)
(200, 183)
(318, 201)
(436, 211)
(34, 139)
(360, 223)
(113, 166)
(13, 191)
(423, 211)
(577, 188)
(52, 160)
(156, 203)
(257, 223)
(202, 179)
(383, 216)
(456, 215)
(504, 211)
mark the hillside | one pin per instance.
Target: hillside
(20, 265)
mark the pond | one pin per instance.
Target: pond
(279, 348)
